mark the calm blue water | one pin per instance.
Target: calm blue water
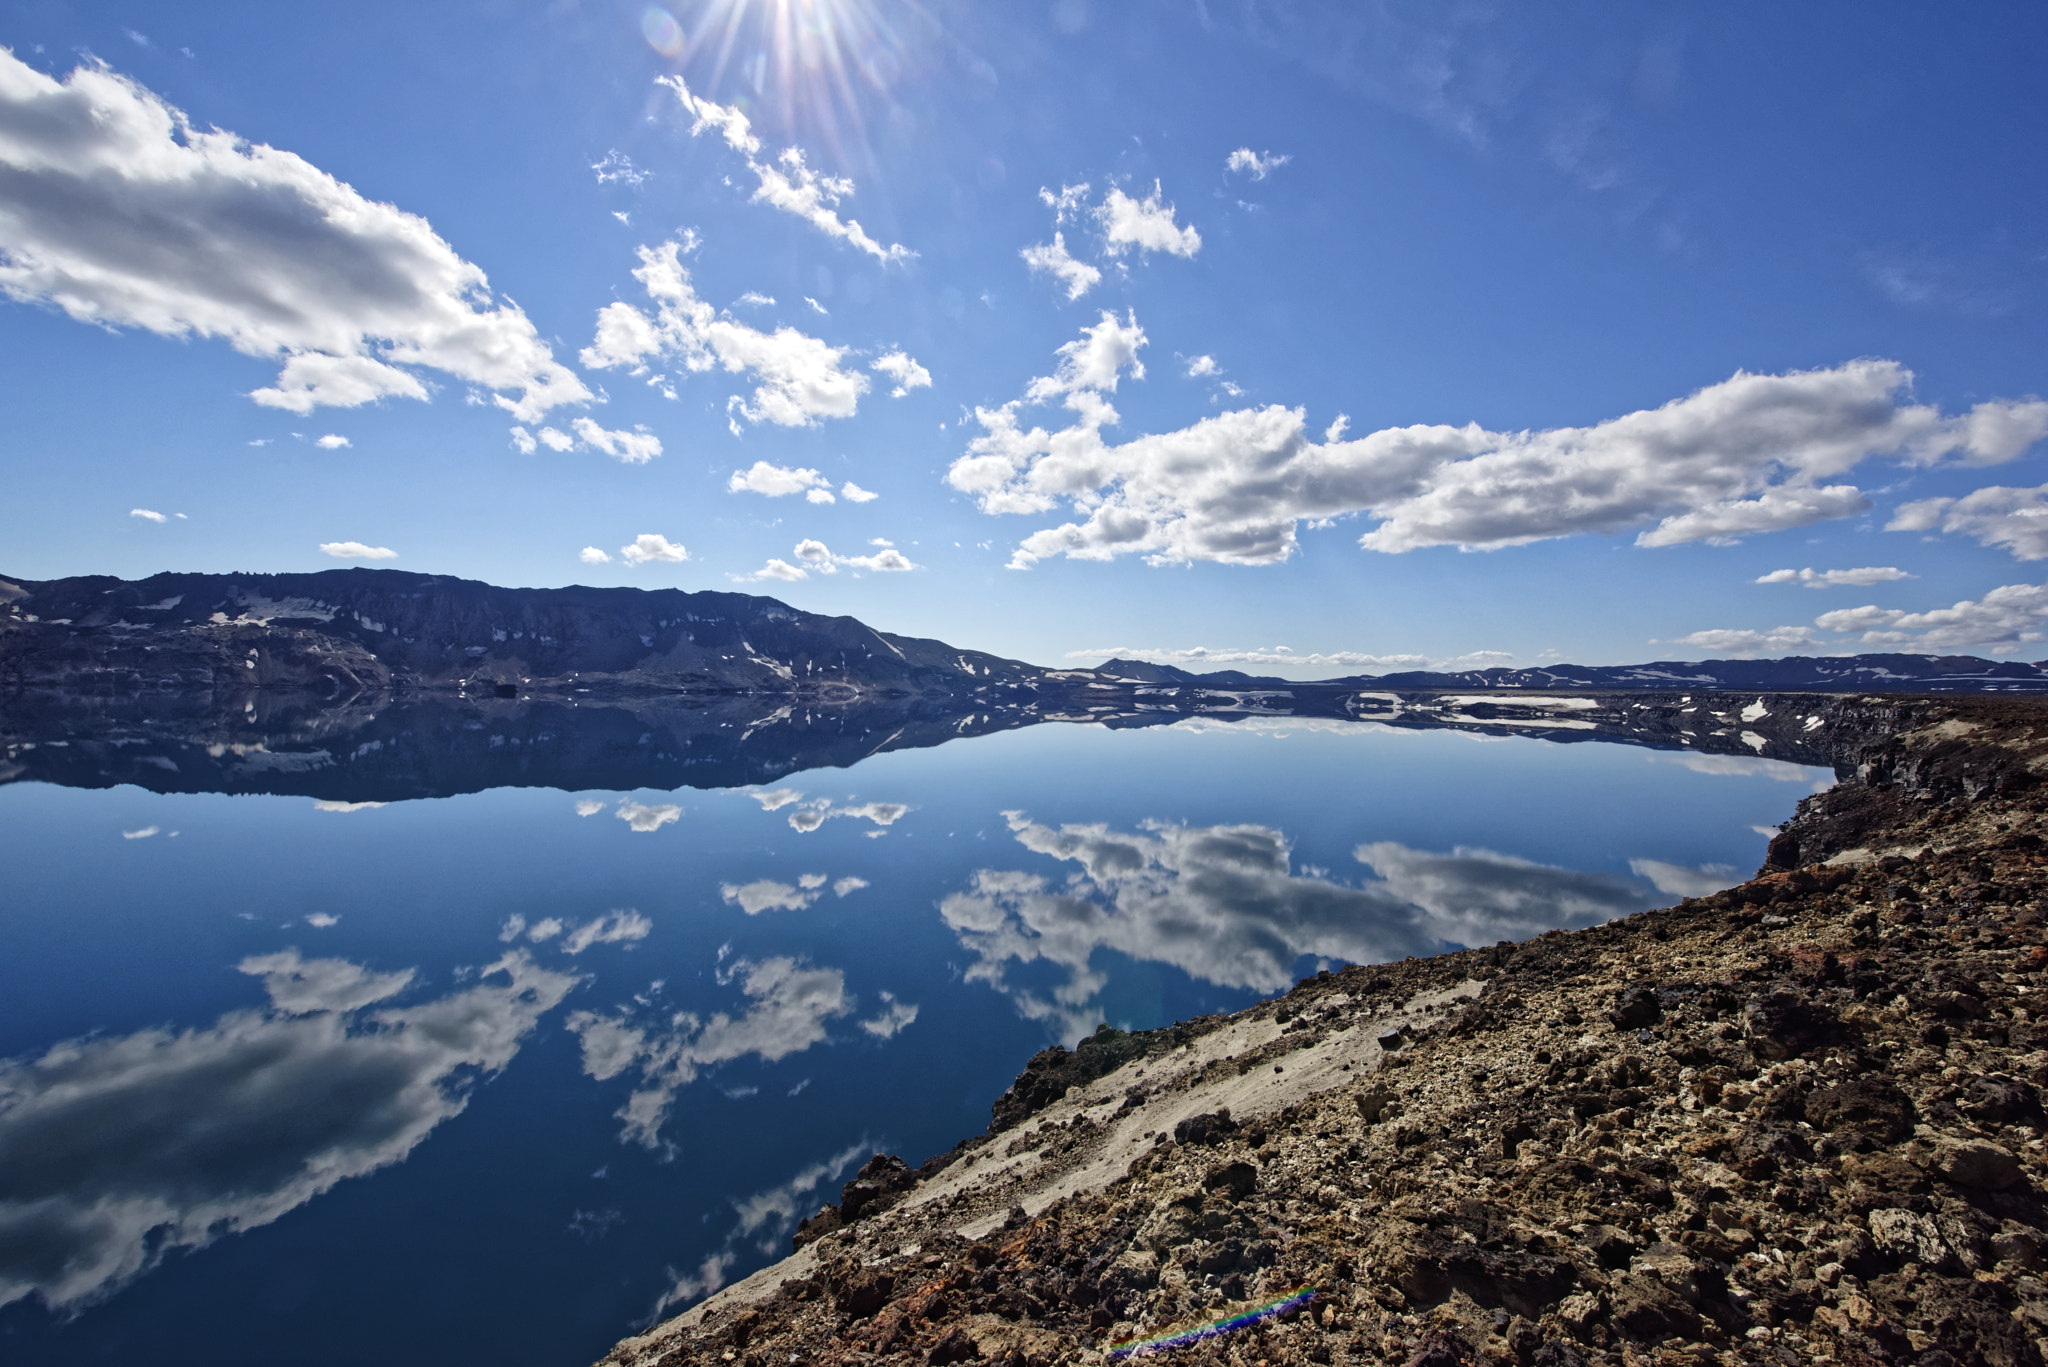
(496, 1077)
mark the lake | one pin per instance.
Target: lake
(501, 1075)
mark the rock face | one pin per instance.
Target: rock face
(1800, 1121)
(349, 632)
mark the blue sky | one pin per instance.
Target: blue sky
(1376, 335)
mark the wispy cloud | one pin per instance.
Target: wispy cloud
(616, 168)
(628, 448)
(787, 182)
(1257, 165)
(356, 550)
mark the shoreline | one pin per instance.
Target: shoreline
(1798, 1120)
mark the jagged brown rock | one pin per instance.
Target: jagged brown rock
(1824, 1146)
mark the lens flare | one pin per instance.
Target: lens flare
(1243, 1319)
(662, 32)
(808, 66)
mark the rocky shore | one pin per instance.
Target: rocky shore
(1799, 1122)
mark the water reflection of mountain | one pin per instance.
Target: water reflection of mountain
(284, 742)
(375, 748)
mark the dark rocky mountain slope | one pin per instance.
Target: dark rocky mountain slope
(346, 632)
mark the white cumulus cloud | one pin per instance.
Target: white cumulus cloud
(591, 555)
(148, 514)
(356, 550)
(1277, 655)
(799, 378)
(853, 493)
(1752, 453)
(651, 546)
(1146, 224)
(333, 441)
(2016, 519)
(628, 448)
(115, 209)
(2003, 620)
(907, 373)
(1827, 579)
(775, 481)
(815, 555)
(1075, 276)
(1743, 643)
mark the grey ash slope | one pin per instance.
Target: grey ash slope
(359, 630)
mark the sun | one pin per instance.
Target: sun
(809, 66)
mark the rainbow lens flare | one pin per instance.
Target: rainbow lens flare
(1244, 1319)
(662, 32)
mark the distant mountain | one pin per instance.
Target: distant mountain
(1793, 674)
(348, 632)
(341, 634)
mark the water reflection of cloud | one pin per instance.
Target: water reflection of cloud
(1683, 880)
(788, 1004)
(1475, 896)
(765, 1218)
(1223, 904)
(818, 811)
(895, 1017)
(766, 894)
(612, 928)
(642, 817)
(119, 1149)
(1747, 766)
(299, 986)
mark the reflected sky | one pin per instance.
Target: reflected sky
(116, 1150)
(502, 1074)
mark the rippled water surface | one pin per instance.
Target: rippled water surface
(497, 1077)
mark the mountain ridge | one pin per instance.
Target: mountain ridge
(346, 632)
